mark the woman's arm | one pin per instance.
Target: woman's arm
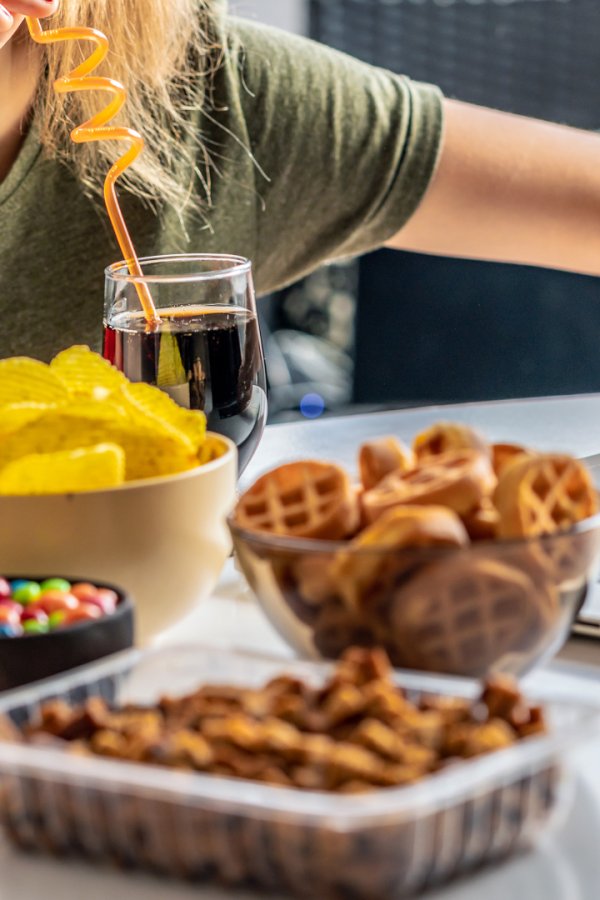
(511, 189)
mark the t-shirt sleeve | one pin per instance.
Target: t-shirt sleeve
(343, 151)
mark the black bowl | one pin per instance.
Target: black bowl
(36, 656)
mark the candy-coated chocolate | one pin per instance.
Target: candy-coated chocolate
(55, 584)
(83, 590)
(9, 631)
(17, 583)
(9, 615)
(5, 591)
(34, 613)
(27, 592)
(32, 626)
(54, 599)
(83, 613)
(56, 619)
(105, 599)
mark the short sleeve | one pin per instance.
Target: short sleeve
(343, 151)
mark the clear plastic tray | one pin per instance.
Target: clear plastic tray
(382, 845)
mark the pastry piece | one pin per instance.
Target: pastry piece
(303, 499)
(482, 522)
(504, 454)
(373, 560)
(313, 577)
(459, 480)
(447, 437)
(543, 494)
(378, 458)
(460, 617)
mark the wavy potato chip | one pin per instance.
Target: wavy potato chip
(149, 450)
(24, 380)
(15, 415)
(86, 374)
(154, 404)
(58, 424)
(65, 472)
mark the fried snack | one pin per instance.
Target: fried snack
(504, 454)
(448, 437)
(357, 732)
(460, 616)
(313, 577)
(378, 458)
(459, 480)
(543, 494)
(67, 471)
(482, 522)
(304, 499)
(357, 573)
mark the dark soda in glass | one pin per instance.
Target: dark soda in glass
(207, 358)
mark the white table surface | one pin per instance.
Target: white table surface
(566, 863)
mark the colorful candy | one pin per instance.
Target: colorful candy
(32, 607)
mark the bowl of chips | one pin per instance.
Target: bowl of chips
(114, 479)
(455, 555)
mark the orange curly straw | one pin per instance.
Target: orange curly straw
(98, 129)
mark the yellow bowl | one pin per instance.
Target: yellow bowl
(165, 540)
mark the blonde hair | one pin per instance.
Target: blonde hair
(163, 52)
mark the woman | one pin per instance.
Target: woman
(262, 144)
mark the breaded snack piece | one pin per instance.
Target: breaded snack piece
(505, 454)
(356, 571)
(459, 480)
(378, 458)
(542, 494)
(446, 437)
(308, 499)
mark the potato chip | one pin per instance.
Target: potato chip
(150, 450)
(65, 472)
(154, 405)
(15, 415)
(24, 380)
(86, 374)
(212, 448)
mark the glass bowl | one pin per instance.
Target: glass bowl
(494, 605)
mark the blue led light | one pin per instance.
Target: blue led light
(312, 406)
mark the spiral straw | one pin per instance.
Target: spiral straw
(98, 129)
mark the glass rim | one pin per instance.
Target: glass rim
(119, 272)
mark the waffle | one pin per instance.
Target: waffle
(303, 499)
(358, 573)
(376, 459)
(542, 494)
(448, 437)
(461, 618)
(459, 480)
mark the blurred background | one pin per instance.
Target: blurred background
(455, 330)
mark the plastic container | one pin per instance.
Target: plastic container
(382, 845)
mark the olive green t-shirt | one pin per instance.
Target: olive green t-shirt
(318, 156)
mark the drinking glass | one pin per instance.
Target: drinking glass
(205, 351)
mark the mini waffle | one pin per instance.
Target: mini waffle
(303, 499)
(543, 494)
(376, 459)
(460, 618)
(459, 480)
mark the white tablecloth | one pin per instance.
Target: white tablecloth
(566, 863)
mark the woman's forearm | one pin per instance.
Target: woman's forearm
(511, 189)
